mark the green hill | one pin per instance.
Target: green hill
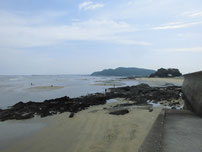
(124, 72)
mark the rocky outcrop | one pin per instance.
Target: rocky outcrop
(143, 92)
(192, 92)
(138, 94)
(49, 107)
(166, 73)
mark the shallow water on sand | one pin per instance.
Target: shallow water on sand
(14, 130)
(40, 87)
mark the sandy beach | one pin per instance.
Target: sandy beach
(91, 130)
(161, 81)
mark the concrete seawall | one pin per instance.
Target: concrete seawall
(192, 92)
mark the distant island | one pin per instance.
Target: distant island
(121, 71)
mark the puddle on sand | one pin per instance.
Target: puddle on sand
(167, 107)
(112, 101)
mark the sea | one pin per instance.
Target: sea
(41, 87)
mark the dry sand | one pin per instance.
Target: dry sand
(161, 81)
(91, 130)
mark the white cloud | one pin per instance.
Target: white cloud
(192, 14)
(189, 35)
(89, 5)
(85, 4)
(176, 25)
(23, 34)
(7, 18)
(193, 49)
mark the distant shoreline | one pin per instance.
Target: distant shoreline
(178, 81)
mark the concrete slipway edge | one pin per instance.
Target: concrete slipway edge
(153, 141)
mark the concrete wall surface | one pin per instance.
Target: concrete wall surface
(192, 92)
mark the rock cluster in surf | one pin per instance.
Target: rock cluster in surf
(139, 94)
(162, 73)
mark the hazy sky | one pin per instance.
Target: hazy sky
(79, 37)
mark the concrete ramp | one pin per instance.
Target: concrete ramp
(182, 132)
(174, 131)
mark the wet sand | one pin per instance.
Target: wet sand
(91, 130)
(17, 130)
(116, 83)
(109, 84)
(46, 87)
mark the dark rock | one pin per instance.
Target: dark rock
(18, 105)
(71, 115)
(24, 116)
(119, 112)
(168, 84)
(140, 94)
(150, 109)
(125, 105)
(175, 103)
(166, 73)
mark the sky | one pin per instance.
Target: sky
(83, 36)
